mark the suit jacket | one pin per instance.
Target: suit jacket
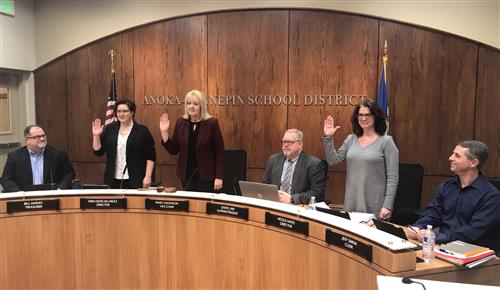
(209, 149)
(309, 177)
(17, 172)
(140, 148)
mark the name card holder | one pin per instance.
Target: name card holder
(352, 245)
(287, 223)
(103, 203)
(33, 205)
(166, 205)
(227, 210)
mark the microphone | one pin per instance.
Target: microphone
(407, 280)
(51, 179)
(123, 174)
(190, 178)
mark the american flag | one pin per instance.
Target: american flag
(110, 105)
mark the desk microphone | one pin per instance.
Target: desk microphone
(190, 178)
(51, 179)
(123, 174)
(407, 280)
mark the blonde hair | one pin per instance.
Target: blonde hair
(202, 100)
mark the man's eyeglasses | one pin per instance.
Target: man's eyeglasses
(37, 137)
(287, 142)
(364, 115)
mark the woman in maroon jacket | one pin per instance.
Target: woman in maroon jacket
(198, 140)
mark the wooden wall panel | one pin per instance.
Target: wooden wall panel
(169, 60)
(434, 98)
(89, 78)
(488, 108)
(248, 57)
(50, 103)
(330, 54)
(89, 172)
(432, 89)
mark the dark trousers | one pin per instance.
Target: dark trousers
(120, 184)
(198, 185)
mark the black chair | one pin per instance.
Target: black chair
(235, 169)
(408, 194)
(495, 182)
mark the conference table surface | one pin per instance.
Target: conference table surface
(236, 244)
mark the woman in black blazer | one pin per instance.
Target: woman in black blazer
(129, 148)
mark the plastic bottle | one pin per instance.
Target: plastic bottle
(428, 244)
(312, 201)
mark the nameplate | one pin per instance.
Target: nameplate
(287, 223)
(227, 210)
(352, 245)
(167, 205)
(32, 205)
(103, 203)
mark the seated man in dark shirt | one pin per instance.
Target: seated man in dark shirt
(466, 207)
(36, 163)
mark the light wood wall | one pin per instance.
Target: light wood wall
(443, 88)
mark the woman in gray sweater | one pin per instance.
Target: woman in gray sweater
(372, 161)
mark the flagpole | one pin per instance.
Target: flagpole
(111, 99)
(112, 53)
(385, 60)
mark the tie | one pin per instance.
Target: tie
(286, 184)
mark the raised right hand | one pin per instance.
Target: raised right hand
(329, 128)
(97, 127)
(164, 122)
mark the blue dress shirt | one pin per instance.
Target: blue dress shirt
(37, 166)
(470, 214)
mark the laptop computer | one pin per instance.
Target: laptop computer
(339, 213)
(259, 190)
(391, 229)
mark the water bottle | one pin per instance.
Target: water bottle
(312, 202)
(428, 244)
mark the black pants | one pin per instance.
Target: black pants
(120, 184)
(198, 185)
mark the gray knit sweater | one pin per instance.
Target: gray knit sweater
(372, 172)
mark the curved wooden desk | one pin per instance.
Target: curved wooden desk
(139, 248)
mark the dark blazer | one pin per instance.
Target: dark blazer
(17, 172)
(209, 149)
(140, 148)
(308, 177)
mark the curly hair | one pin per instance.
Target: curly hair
(380, 124)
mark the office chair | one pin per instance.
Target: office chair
(495, 182)
(408, 194)
(235, 169)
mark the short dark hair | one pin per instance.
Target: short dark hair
(28, 129)
(380, 124)
(476, 150)
(130, 104)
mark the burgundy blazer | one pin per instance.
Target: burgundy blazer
(209, 149)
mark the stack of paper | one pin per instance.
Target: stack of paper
(464, 254)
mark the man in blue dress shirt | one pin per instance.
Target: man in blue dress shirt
(466, 207)
(36, 163)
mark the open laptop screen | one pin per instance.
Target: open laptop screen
(36, 187)
(259, 190)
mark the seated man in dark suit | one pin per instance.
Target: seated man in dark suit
(297, 174)
(466, 207)
(36, 163)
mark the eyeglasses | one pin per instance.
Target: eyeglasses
(37, 137)
(364, 115)
(287, 142)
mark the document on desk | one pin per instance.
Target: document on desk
(361, 217)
